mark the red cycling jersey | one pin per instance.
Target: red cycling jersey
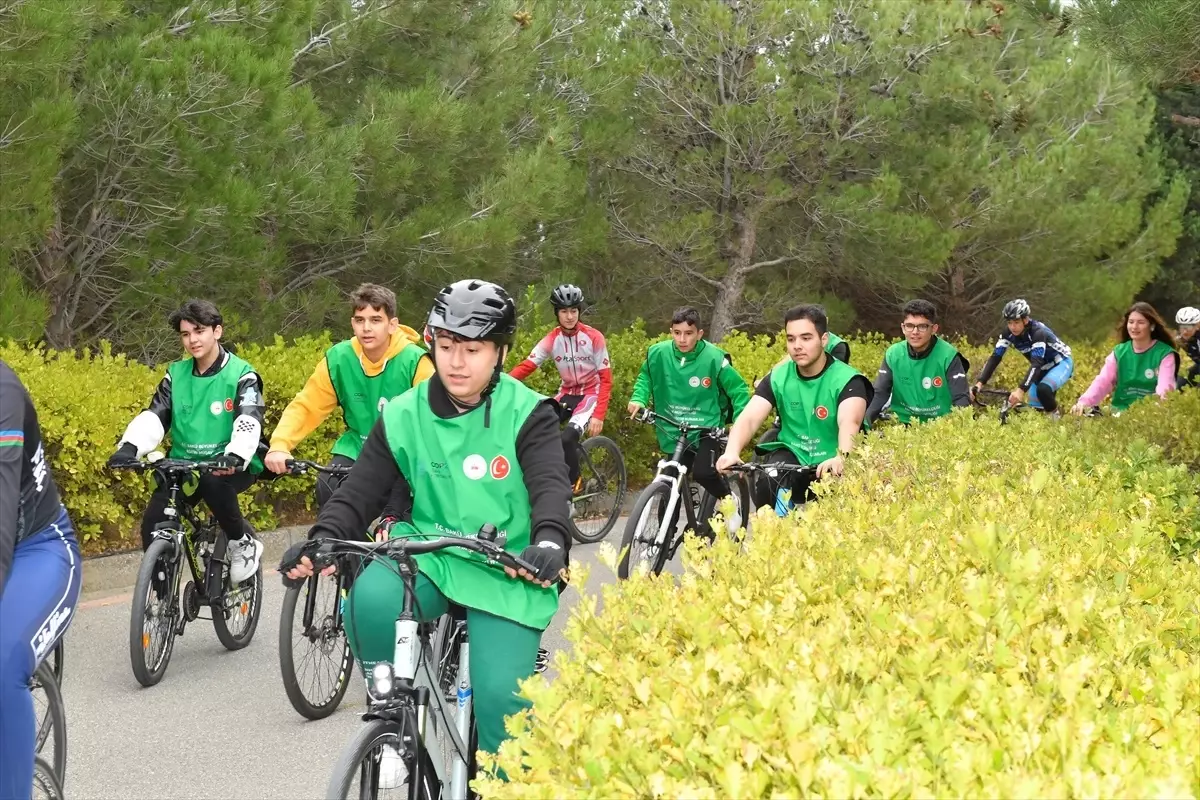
(582, 360)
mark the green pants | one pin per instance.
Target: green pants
(502, 652)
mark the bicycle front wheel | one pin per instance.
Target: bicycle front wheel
(52, 720)
(642, 531)
(602, 483)
(324, 657)
(154, 613)
(378, 763)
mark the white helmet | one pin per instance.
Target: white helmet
(1187, 316)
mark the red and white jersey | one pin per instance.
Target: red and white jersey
(582, 361)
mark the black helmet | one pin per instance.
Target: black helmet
(475, 309)
(566, 296)
(1016, 309)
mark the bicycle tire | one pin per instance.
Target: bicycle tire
(369, 737)
(648, 494)
(46, 781)
(740, 486)
(159, 549)
(221, 626)
(613, 452)
(288, 622)
(55, 721)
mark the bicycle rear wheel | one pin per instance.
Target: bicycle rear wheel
(240, 605)
(152, 617)
(602, 483)
(325, 649)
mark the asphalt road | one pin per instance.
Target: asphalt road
(219, 724)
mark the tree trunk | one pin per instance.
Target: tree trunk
(733, 285)
(54, 280)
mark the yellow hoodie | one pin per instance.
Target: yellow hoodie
(317, 400)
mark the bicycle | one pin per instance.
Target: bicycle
(670, 483)
(323, 631)
(203, 545)
(598, 491)
(52, 723)
(429, 672)
(45, 782)
(1006, 406)
(784, 502)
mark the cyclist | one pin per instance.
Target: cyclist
(581, 355)
(40, 577)
(1188, 320)
(381, 361)
(836, 347)
(693, 381)
(1144, 363)
(925, 376)
(472, 446)
(1050, 363)
(212, 405)
(821, 401)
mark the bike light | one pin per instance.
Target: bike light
(381, 681)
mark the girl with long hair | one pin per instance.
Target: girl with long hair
(1144, 363)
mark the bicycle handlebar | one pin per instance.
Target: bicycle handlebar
(772, 470)
(653, 417)
(325, 552)
(298, 466)
(170, 465)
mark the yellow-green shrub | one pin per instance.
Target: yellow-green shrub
(974, 610)
(86, 399)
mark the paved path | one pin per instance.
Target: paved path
(219, 724)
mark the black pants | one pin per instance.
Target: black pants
(701, 464)
(220, 494)
(327, 484)
(765, 488)
(570, 435)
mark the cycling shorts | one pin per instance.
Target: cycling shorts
(1056, 377)
(580, 408)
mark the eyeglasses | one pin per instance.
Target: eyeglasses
(909, 327)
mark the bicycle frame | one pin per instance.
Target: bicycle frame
(184, 538)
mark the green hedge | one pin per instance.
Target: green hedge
(973, 611)
(86, 399)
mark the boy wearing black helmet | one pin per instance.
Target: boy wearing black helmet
(1050, 364)
(471, 446)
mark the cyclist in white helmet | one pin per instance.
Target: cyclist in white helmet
(1188, 320)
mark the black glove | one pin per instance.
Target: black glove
(126, 454)
(548, 557)
(227, 461)
(291, 559)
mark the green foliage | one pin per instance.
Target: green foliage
(973, 610)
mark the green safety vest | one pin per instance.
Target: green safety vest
(919, 385)
(361, 397)
(685, 387)
(834, 341)
(1137, 373)
(807, 409)
(463, 475)
(202, 410)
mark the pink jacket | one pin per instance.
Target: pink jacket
(1106, 381)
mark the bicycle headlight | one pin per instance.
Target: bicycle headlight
(382, 680)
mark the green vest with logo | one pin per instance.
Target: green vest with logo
(1137, 373)
(464, 475)
(685, 388)
(919, 385)
(361, 397)
(834, 341)
(808, 410)
(202, 410)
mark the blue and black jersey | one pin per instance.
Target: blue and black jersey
(1040, 345)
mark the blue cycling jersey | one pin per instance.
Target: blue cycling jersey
(1040, 345)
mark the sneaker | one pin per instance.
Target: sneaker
(392, 772)
(243, 555)
(733, 523)
(542, 661)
